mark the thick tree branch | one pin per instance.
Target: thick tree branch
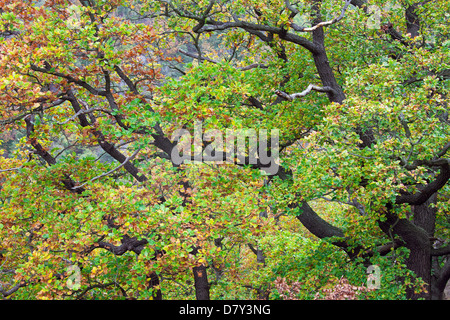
(394, 34)
(291, 8)
(319, 227)
(256, 103)
(212, 25)
(126, 79)
(359, 3)
(443, 251)
(77, 107)
(161, 141)
(437, 162)
(443, 277)
(428, 190)
(128, 244)
(13, 289)
(412, 20)
(105, 145)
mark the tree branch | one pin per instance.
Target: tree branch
(318, 226)
(323, 23)
(128, 244)
(311, 87)
(126, 79)
(44, 154)
(443, 150)
(99, 285)
(32, 111)
(110, 171)
(13, 289)
(82, 112)
(441, 251)
(212, 25)
(81, 83)
(201, 58)
(105, 145)
(196, 56)
(428, 190)
(11, 169)
(443, 277)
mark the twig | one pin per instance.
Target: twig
(195, 56)
(80, 112)
(324, 23)
(110, 171)
(31, 111)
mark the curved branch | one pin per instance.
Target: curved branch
(13, 289)
(195, 56)
(428, 190)
(311, 87)
(318, 226)
(128, 244)
(94, 286)
(40, 108)
(211, 25)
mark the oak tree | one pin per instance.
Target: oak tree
(93, 92)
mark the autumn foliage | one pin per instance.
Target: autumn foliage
(92, 93)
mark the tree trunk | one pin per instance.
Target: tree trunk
(419, 261)
(326, 75)
(425, 215)
(321, 61)
(201, 283)
(440, 280)
(416, 239)
(412, 20)
(153, 282)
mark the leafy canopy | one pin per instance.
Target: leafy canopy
(91, 93)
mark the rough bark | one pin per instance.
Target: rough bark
(417, 241)
(201, 283)
(153, 283)
(324, 70)
(316, 225)
(440, 282)
(412, 20)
